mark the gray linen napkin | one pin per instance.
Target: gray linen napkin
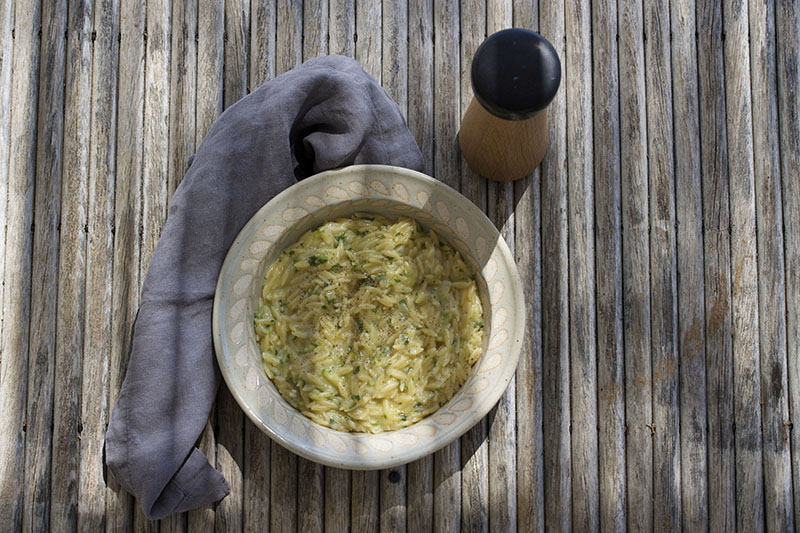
(325, 114)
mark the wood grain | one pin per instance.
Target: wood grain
(555, 304)
(527, 244)
(44, 275)
(127, 224)
(367, 37)
(283, 489)
(717, 270)
(635, 269)
(315, 28)
(7, 44)
(744, 271)
(310, 494)
(582, 328)
(393, 515)
(787, 29)
(263, 21)
(18, 248)
(608, 268)
(99, 269)
(663, 269)
(341, 27)
(364, 507)
(337, 500)
(771, 282)
(657, 244)
(182, 91)
(72, 269)
(689, 239)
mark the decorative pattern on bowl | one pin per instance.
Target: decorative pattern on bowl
(393, 192)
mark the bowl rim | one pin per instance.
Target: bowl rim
(475, 414)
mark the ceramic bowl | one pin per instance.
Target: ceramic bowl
(393, 192)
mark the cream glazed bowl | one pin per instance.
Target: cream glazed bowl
(392, 192)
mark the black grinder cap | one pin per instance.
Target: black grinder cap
(515, 73)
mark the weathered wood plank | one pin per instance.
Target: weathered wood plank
(72, 265)
(663, 311)
(283, 489)
(257, 446)
(744, 282)
(716, 260)
(368, 37)
(230, 419)
(19, 244)
(44, 276)
(262, 42)
(393, 515)
(528, 240)
(447, 462)
(6, 60)
(364, 509)
(635, 269)
(99, 271)
(342, 27)
(419, 481)
(474, 444)
(310, 493)
(127, 225)
(555, 304)
(472, 31)
(289, 40)
(210, 54)
(691, 317)
(787, 18)
(183, 91)
(608, 267)
(771, 285)
(582, 328)
(155, 166)
(394, 61)
(337, 500)
(315, 28)
(210, 63)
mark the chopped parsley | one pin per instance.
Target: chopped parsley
(317, 260)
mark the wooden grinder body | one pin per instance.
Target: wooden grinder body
(515, 74)
(500, 149)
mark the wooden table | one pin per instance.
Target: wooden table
(659, 243)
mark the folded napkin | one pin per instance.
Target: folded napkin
(325, 114)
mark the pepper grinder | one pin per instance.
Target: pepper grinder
(515, 75)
